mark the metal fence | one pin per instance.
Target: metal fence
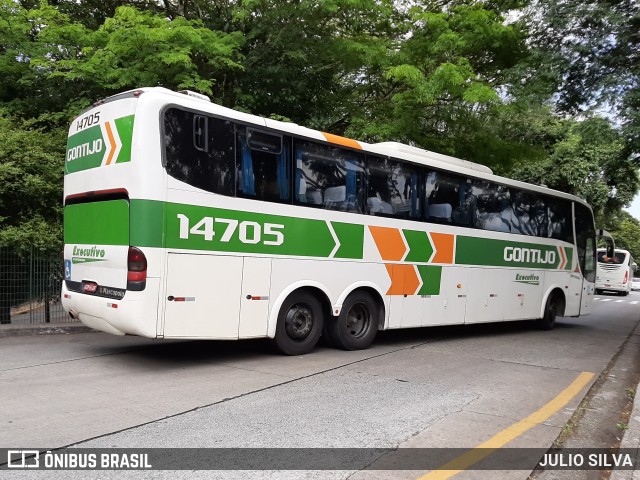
(30, 288)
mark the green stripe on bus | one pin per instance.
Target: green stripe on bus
(431, 276)
(98, 223)
(502, 253)
(351, 238)
(124, 126)
(420, 249)
(147, 223)
(203, 228)
(569, 253)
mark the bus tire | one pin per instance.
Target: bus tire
(299, 323)
(357, 325)
(548, 320)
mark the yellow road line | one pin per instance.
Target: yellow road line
(500, 439)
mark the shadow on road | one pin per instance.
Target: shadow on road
(186, 353)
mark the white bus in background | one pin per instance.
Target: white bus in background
(615, 273)
(186, 219)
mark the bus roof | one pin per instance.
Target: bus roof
(392, 149)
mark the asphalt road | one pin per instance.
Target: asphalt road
(435, 387)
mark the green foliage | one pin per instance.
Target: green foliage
(585, 158)
(31, 171)
(440, 87)
(625, 231)
(590, 51)
(134, 48)
(480, 80)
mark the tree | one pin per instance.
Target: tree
(590, 52)
(440, 89)
(585, 158)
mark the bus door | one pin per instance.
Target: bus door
(589, 277)
(202, 297)
(586, 247)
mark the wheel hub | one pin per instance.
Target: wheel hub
(298, 322)
(358, 320)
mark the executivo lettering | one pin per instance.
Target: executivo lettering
(85, 255)
(528, 279)
(529, 255)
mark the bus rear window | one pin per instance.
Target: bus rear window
(617, 259)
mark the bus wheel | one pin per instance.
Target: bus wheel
(548, 321)
(357, 325)
(299, 324)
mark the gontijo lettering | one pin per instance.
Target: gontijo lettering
(85, 149)
(529, 255)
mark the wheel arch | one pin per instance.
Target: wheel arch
(319, 290)
(373, 290)
(554, 290)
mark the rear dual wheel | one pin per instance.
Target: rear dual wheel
(356, 326)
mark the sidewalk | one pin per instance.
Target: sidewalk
(13, 330)
(631, 439)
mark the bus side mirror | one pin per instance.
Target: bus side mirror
(606, 236)
(634, 266)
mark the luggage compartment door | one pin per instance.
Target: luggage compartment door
(202, 296)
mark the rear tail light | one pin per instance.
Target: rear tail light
(626, 278)
(136, 269)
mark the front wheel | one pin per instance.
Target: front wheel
(551, 309)
(299, 324)
(357, 325)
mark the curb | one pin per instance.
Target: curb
(43, 329)
(631, 439)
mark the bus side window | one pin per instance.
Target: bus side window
(328, 177)
(493, 207)
(393, 188)
(446, 198)
(529, 215)
(560, 224)
(263, 165)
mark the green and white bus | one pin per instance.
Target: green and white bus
(186, 219)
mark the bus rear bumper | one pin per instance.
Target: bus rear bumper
(129, 316)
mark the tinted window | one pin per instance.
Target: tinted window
(560, 224)
(492, 206)
(263, 175)
(392, 188)
(199, 150)
(448, 199)
(529, 214)
(328, 177)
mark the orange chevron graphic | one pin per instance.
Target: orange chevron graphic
(389, 242)
(404, 279)
(563, 262)
(112, 142)
(443, 244)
